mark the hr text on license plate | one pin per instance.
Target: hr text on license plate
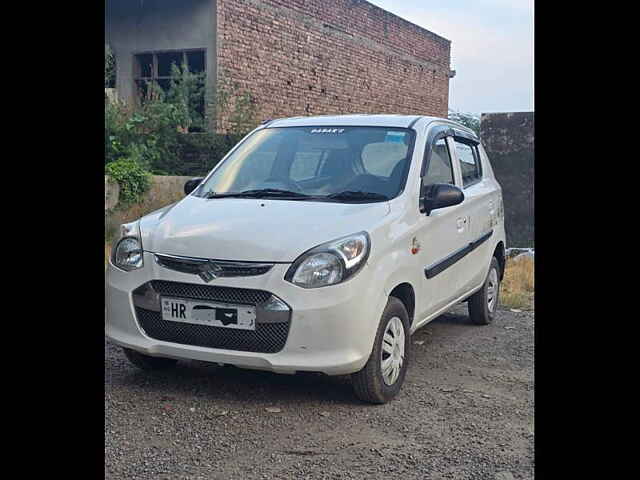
(215, 314)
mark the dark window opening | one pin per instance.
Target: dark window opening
(165, 60)
(145, 65)
(155, 68)
(164, 84)
(195, 60)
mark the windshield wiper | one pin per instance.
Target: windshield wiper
(357, 195)
(261, 192)
(291, 195)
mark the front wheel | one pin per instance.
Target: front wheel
(484, 303)
(383, 375)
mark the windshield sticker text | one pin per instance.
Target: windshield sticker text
(327, 130)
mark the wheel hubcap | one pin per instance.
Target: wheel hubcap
(492, 289)
(392, 354)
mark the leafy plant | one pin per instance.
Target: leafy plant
(234, 107)
(187, 91)
(152, 133)
(147, 132)
(469, 120)
(115, 116)
(109, 68)
(132, 178)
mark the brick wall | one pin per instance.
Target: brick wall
(318, 57)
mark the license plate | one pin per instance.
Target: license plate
(215, 314)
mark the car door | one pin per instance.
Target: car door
(442, 232)
(479, 208)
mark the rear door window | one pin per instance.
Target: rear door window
(469, 163)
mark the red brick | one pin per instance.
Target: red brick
(339, 56)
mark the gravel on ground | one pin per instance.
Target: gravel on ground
(466, 411)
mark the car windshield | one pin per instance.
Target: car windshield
(344, 164)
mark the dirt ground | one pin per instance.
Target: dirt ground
(466, 411)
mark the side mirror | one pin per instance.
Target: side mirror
(439, 195)
(191, 185)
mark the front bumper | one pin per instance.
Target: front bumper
(331, 328)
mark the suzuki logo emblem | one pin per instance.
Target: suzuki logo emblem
(209, 271)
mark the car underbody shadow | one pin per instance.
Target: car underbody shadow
(250, 387)
(254, 387)
(453, 318)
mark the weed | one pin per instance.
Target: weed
(517, 289)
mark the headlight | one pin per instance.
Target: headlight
(127, 254)
(330, 263)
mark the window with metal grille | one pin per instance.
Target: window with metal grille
(156, 68)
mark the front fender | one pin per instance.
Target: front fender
(396, 268)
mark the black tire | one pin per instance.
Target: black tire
(368, 384)
(146, 362)
(478, 304)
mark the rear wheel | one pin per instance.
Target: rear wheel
(382, 377)
(146, 362)
(484, 303)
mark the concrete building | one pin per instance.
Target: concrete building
(509, 141)
(294, 57)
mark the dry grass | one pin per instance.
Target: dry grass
(517, 288)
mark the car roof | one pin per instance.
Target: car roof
(362, 120)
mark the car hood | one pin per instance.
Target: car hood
(261, 230)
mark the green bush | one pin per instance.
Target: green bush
(469, 120)
(153, 134)
(187, 92)
(197, 154)
(239, 107)
(114, 132)
(149, 132)
(132, 179)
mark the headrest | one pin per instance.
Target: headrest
(380, 158)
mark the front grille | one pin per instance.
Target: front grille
(243, 296)
(221, 268)
(268, 337)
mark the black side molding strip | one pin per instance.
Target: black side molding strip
(445, 263)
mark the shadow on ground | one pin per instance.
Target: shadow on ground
(259, 387)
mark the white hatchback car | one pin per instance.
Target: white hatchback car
(317, 244)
